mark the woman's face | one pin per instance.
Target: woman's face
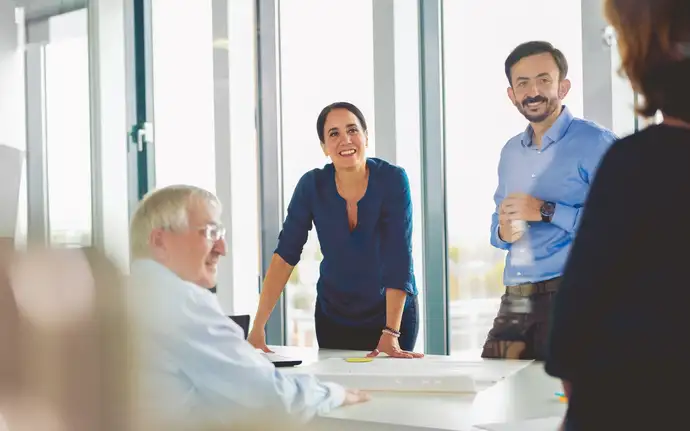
(345, 141)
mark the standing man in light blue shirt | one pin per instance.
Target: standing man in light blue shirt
(544, 175)
(196, 363)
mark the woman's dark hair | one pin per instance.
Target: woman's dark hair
(653, 38)
(321, 120)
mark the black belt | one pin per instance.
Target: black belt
(529, 289)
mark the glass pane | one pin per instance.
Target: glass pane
(244, 164)
(479, 121)
(68, 140)
(183, 116)
(408, 133)
(317, 71)
(625, 121)
(13, 124)
(203, 58)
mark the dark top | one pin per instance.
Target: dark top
(357, 266)
(621, 319)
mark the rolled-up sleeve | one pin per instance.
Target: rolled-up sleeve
(298, 221)
(568, 217)
(228, 372)
(495, 239)
(396, 240)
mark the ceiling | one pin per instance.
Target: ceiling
(38, 9)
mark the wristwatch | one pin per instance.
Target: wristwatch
(547, 210)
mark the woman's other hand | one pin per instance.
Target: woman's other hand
(389, 345)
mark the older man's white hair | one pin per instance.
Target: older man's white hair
(165, 208)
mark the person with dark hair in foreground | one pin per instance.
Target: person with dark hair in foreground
(544, 175)
(619, 328)
(362, 210)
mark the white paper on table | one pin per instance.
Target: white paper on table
(485, 373)
(551, 423)
(388, 374)
(416, 375)
(490, 371)
(11, 170)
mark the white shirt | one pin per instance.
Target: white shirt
(196, 362)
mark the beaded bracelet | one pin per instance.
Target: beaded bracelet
(391, 331)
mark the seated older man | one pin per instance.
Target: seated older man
(196, 362)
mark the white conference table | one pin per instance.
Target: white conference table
(526, 394)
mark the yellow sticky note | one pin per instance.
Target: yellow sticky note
(359, 359)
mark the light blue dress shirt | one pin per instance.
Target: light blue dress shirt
(195, 362)
(561, 171)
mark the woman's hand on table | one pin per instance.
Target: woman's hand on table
(389, 345)
(257, 338)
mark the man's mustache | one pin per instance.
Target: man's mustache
(535, 99)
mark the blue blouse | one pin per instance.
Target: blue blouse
(357, 265)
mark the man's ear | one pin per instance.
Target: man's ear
(511, 94)
(156, 239)
(564, 88)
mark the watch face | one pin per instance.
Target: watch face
(548, 209)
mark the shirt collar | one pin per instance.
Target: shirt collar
(555, 132)
(147, 268)
(146, 265)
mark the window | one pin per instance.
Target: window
(13, 125)
(243, 168)
(625, 120)
(407, 134)
(319, 66)
(182, 66)
(68, 140)
(204, 102)
(479, 121)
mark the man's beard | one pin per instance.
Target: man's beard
(551, 106)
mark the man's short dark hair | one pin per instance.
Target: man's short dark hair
(536, 47)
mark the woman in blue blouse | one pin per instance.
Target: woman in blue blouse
(362, 210)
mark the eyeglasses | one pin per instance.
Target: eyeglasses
(213, 232)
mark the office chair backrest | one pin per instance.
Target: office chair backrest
(243, 321)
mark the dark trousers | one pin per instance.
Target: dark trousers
(521, 328)
(333, 335)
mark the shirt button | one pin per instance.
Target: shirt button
(519, 273)
(534, 175)
(538, 152)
